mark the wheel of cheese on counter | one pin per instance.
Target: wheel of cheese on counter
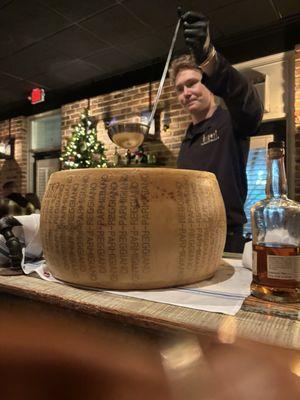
(132, 228)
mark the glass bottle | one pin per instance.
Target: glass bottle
(116, 159)
(128, 157)
(276, 236)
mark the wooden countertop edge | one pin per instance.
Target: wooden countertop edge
(283, 332)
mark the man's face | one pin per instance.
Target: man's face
(191, 93)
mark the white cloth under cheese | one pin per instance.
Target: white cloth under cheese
(224, 293)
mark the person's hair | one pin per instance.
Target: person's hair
(186, 61)
(9, 185)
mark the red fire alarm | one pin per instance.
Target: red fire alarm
(37, 96)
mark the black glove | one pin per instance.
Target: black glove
(12, 243)
(196, 33)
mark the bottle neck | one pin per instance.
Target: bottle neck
(276, 179)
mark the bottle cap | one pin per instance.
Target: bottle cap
(279, 144)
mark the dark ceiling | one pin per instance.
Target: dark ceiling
(80, 48)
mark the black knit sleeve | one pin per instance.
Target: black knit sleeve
(239, 95)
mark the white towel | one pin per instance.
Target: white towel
(223, 293)
(247, 255)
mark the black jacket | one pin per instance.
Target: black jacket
(220, 144)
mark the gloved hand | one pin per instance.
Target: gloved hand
(12, 242)
(197, 37)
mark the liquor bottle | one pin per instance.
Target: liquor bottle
(276, 236)
(128, 157)
(117, 157)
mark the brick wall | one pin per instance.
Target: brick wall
(15, 169)
(297, 123)
(126, 106)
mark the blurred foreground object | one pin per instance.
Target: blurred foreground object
(55, 353)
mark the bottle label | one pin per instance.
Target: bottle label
(283, 267)
(254, 262)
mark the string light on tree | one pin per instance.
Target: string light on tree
(83, 150)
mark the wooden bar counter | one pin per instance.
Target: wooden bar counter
(259, 320)
(62, 342)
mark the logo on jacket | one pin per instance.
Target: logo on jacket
(209, 137)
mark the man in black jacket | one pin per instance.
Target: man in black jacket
(217, 140)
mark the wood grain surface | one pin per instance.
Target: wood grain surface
(272, 324)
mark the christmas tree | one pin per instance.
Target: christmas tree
(83, 150)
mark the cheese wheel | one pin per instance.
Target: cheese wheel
(132, 228)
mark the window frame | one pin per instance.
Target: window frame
(33, 155)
